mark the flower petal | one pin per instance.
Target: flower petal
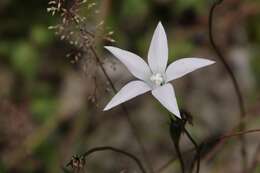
(166, 96)
(136, 65)
(158, 51)
(129, 91)
(183, 66)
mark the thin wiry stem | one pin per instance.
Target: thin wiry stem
(133, 157)
(108, 148)
(238, 134)
(221, 142)
(179, 155)
(198, 149)
(132, 127)
(221, 138)
(234, 81)
(176, 127)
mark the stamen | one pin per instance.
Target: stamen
(157, 79)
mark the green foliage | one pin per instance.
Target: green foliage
(177, 48)
(46, 152)
(5, 48)
(180, 49)
(25, 59)
(43, 108)
(134, 8)
(255, 63)
(41, 35)
(257, 169)
(253, 28)
(2, 168)
(44, 104)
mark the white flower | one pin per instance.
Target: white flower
(154, 77)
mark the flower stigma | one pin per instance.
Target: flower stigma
(157, 79)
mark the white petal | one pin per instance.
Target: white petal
(136, 65)
(129, 91)
(183, 66)
(158, 51)
(166, 96)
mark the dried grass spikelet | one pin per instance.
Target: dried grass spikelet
(80, 33)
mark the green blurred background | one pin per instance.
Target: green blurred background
(50, 109)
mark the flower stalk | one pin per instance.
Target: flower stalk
(78, 162)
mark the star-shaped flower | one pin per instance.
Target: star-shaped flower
(154, 76)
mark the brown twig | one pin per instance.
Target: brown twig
(238, 134)
(198, 150)
(221, 142)
(79, 162)
(233, 79)
(221, 138)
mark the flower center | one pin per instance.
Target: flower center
(157, 79)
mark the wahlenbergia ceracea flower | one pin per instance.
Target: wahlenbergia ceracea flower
(154, 76)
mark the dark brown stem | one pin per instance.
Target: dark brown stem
(198, 149)
(221, 138)
(108, 148)
(238, 134)
(179, 154)
(234, 81)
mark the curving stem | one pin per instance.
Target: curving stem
(197, 148)
(234, 81)
(107, 148)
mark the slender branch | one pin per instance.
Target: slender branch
(125, 110)
(221, 138)
(179, 154)
(198, 149)
(238, 134)
(103, 69)
(116, 150)
(234, 81)
(176, 127)
(221, 142)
